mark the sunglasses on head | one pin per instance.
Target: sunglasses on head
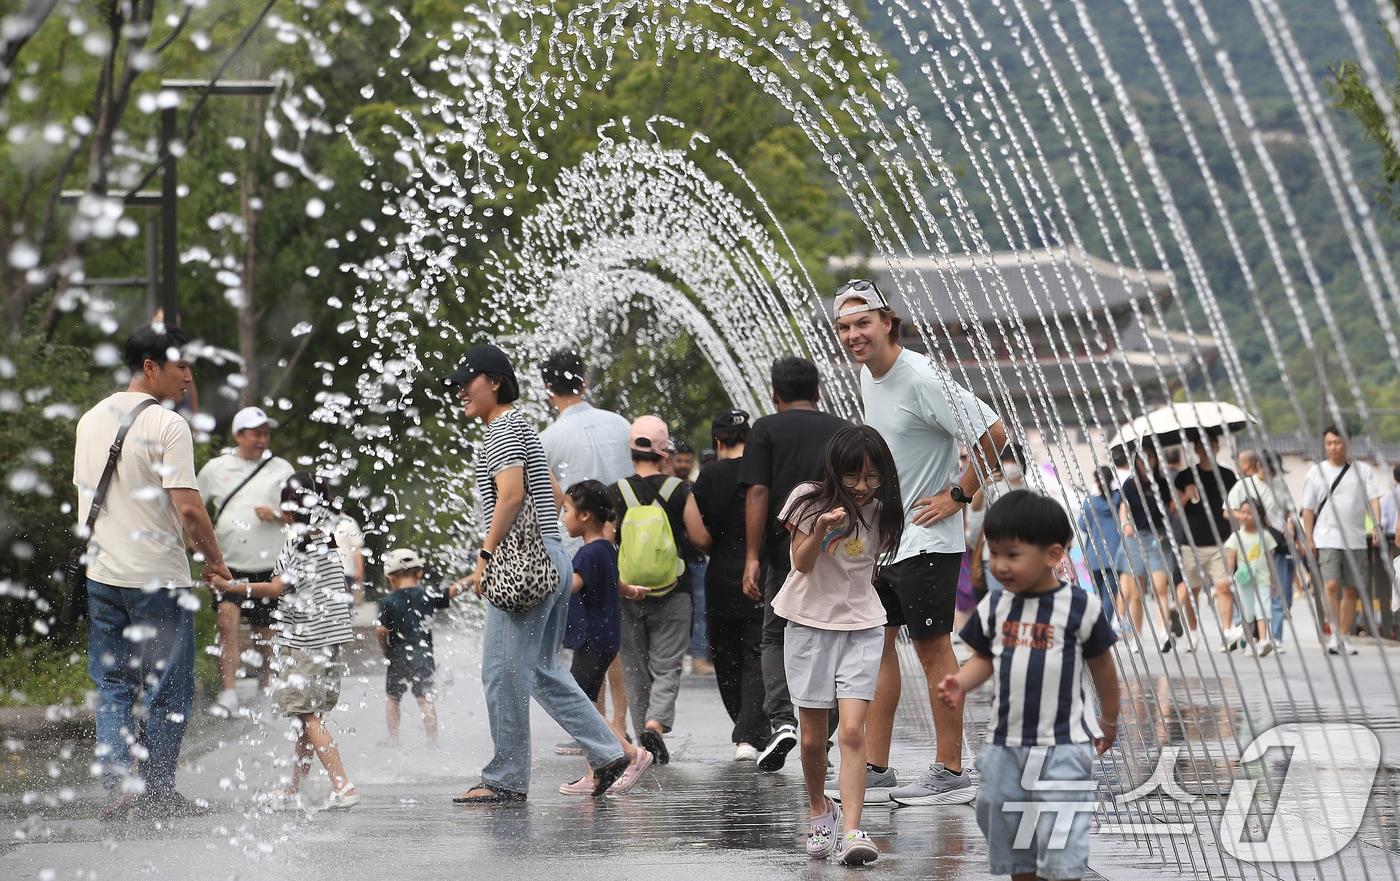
(856, 286)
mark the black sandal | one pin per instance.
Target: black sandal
(496, 796)
(606, 776)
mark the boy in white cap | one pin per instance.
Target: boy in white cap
(244, 487)
(405, 634)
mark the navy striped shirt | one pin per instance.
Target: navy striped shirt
(1038, 644)
(511, 442)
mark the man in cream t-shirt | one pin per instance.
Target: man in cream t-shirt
(244, 487)
(139, 603)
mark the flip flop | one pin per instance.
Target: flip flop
(493, 796)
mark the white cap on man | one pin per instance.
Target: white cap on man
(252, 417)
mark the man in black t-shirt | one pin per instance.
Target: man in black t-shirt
(1203, 489)
(656, 628)
(783, 450)
(735, 620)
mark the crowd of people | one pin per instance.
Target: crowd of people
(791, 562)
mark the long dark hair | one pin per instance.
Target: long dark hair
(847, 453)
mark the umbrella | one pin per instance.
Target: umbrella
(1177, 423)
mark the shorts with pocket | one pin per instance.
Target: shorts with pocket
(1064, 784)
(921, 593)
(1140, 555)
(1345, 566)
(825, 666)
(1203, 567)
(307, 680)
(402, 675)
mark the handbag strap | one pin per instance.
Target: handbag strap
(99, 496)
(242, 483)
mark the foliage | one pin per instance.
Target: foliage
(1353, 95)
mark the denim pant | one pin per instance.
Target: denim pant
(1284, 566)
(140, 648)
(520, 660)
(699, 629)
(1106, 583)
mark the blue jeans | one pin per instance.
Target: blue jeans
(156, 669)
(1106, 582)
(520, 660)
(1285, 565)
(699, 632)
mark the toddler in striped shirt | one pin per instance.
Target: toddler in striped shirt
(1037, 637)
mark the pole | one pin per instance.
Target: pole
(169, 293)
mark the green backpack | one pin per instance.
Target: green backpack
(648, 556)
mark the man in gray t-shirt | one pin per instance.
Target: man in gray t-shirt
(922, 414)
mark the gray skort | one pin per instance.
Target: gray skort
(824, 666)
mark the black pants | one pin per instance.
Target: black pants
(777, 703)
(590, 671)
(736, 652)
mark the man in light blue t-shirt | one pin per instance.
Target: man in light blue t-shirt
(922, 414)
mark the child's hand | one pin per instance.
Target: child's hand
(218, 583)
(1110, 735)
(832, 519)
(631, 591)
(951, 691)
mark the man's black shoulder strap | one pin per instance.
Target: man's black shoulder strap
(242, 483)
(99, 496)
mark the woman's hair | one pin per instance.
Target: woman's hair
(509, 391)
(591, 497)
(847, 453)
(1106, 478)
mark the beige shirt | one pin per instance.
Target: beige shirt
(138, 540)
(249, 543)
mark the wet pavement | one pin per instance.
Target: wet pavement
(704, 814)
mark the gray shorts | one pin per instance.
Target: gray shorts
(1346, 567)
(1002, 807)
(824, 666)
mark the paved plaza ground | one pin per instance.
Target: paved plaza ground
(704, 816)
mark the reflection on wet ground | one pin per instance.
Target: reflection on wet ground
(705, 814)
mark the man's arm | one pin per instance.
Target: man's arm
(695, 526)
(755, 523)
(198, 530)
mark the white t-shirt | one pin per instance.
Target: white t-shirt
(348, 540)
(1342, 524)
(1261, 491)
(922, 414)
(249, 543)
(138, 540)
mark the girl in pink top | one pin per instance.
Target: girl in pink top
(835, 631)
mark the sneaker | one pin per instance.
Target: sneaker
(226, 706)
(821, 834)
(652, 741)
(1174, 624)
(1264, 648)
(745, 752)
(856, 849)
(581, 786)
(776, 752)
(1134, 645)
(1167, 644)
(167, 804)
(936, 786)
(633, 775)
(878, 786)
(1190, 640)
(1334, 646)
(342, 799)
(568, 748)
(118, 808)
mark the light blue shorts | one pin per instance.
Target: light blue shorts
(1054, 844)
(1140, 555)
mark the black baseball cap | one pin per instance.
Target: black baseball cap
(729, 419)
(485, 358)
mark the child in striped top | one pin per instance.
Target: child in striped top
(1036, 637)
(312, 623)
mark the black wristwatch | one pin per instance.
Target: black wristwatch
(485, 554)
(957, 494)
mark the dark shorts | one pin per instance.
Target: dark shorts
(920, 593)
(401, 677)
(254, 612)
(590, 670)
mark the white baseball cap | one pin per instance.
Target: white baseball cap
(856, 296)
(401, 560)
(252, 417)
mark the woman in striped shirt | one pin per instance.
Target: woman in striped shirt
(520, 652)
